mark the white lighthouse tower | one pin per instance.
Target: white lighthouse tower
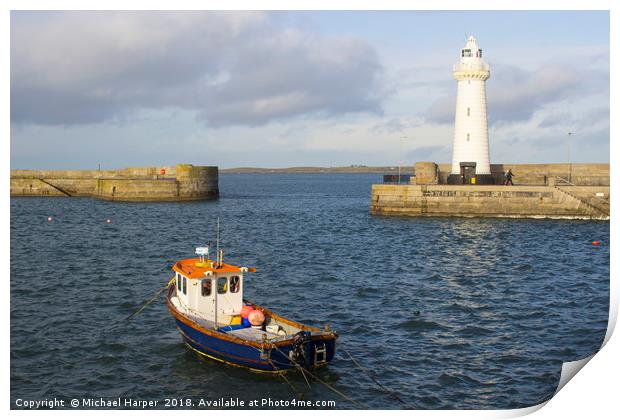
(470, 153)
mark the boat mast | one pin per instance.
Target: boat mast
(217, 246)
(215, 300)
(217, 253)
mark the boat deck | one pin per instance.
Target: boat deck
(254, 334)
(249, 334)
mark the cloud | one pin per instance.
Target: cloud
(552, 120)
(395, 125)
(515, 94)
(442, 110)
(429, 153)
(571, 121)
(231, 68)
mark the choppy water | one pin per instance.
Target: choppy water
(449, 313)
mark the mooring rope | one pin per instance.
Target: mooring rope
(301, 369)
(140, 309)
(283, 376)
(159, 292)
(343, 395)
(305, 379)
(383, 387)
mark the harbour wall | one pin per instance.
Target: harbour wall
(182, 182)
(539, 174)
(544, 201)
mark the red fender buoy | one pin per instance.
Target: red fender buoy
(595, 243)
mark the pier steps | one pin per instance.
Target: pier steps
(595, 204)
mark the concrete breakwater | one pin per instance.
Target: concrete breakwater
(182, 182)
(544, 201)
(524, 174)
(570, 191)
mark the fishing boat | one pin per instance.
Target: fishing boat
(205, 297)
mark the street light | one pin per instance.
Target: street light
(570, 133)
(400, 153)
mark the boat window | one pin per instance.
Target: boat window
(235, 282)
(178, 282)
(184, 285)
(222, 285)
(206, 287)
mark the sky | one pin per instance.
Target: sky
(280, 89)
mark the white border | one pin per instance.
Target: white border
(592, 394)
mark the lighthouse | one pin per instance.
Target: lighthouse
(470, 152)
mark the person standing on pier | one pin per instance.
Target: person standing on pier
(508, 176)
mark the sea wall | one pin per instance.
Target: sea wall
(583, 202)
(174, 183)
(539, 174)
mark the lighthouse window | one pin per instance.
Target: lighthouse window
(466, 53)
(467, 136)
(206, 287)
(235, 282)
(222, 285)
(480, 53)
(468, 112)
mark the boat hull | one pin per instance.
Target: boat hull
(318, 348)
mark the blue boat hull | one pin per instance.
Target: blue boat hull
(272, 357)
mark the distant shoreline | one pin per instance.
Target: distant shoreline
(356, 169)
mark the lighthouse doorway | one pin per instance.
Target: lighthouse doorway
(468, 172)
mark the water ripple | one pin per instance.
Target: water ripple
(451, 313)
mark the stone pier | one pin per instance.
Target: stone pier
(559, 191)
(182, 182)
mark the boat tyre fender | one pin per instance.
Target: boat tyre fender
(298, 354)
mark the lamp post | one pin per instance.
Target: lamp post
(570, 133)
(400, 153)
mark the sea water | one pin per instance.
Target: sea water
(467, 313)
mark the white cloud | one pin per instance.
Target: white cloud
(233, 68)
(516, 94)
(257, 89)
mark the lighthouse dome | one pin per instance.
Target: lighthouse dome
(471, 42)
(471, 52)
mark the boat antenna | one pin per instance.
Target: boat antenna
(217, 246)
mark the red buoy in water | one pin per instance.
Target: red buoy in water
(596, 243)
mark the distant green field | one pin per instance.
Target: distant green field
(318, 169)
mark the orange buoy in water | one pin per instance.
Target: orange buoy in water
(256, 318)
(596, 243)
